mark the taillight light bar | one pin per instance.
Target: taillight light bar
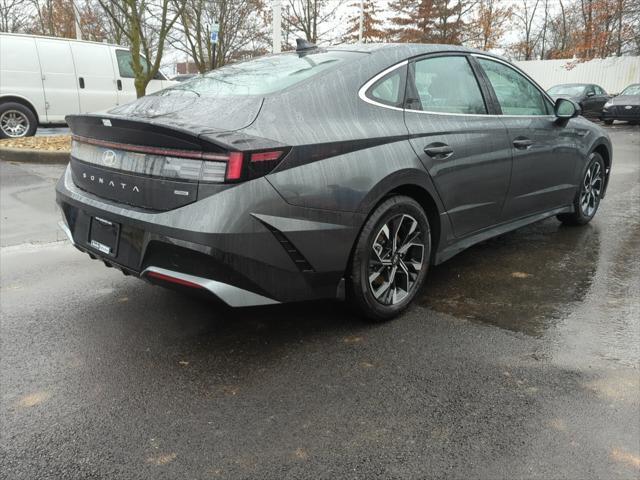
(260, 163)
(169, 152)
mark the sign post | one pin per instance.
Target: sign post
(215, 28)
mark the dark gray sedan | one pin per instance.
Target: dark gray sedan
(589, 96)
(625, 106)
(327, 172)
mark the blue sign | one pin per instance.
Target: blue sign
(214, 37)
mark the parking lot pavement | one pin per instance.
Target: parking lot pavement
(520, 360)
(48, 131)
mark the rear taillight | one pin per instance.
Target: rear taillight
(234, 166)
(258, 164)
(188, 165)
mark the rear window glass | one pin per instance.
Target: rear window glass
(263, 75)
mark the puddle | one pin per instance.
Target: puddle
(523, 281)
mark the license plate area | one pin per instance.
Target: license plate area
(104, 236)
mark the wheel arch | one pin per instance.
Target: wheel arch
(417, 185)
(22, 101)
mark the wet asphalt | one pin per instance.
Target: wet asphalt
(520, 359)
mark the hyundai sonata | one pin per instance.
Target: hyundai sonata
(327, 172)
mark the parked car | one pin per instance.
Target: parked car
(625, 106)
(183, 77)
(590, 97)
(43, 79)
(324, 173)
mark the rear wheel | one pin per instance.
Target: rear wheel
(391, 259)
(588, 196)
(16, 121)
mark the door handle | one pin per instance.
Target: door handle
(119, 83)
(438, 150)
(522, 143)
(81, 82)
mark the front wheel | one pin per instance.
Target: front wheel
(588, 197)
(390, 260)
(16, 121)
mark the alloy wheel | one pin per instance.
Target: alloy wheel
(396, 259)
(591, 189)
(14, 123)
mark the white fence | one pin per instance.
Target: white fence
(612, 74)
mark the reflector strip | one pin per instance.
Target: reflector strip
(167, 278)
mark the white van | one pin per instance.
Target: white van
(42, 79)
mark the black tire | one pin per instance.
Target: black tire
(365, 260)
(608, 122)
(584, 212)
(20, 111)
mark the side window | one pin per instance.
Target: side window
(125, 65)
(590, 90)
(599, 91)
(445, 84)
(389, 90)
(516, 94)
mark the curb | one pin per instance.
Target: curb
(30, 155)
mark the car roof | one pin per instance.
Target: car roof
(410, 49)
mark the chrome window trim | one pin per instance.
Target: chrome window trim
(374, 79)
(363, 90)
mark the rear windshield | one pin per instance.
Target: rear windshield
(262, 75)
(631, 90)
(572, 90)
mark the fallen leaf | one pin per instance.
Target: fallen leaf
(626, 457)
(301, 453)
(162, 459)
(33, 399)
(352, 339)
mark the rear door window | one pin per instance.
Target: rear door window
(445, 84)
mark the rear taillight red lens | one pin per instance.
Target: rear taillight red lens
(266, 156)
(234, 166)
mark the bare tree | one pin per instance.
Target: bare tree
(489, 24)
(145, 26)
(241, 25)
(15, 15)
(311, 18)
(525, 15)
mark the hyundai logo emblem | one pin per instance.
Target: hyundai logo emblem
(109, 158)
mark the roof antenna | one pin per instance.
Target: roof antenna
(303, 45)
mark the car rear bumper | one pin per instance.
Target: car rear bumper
(245, 244)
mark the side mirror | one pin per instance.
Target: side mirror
(590, 94)
(566, 108)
